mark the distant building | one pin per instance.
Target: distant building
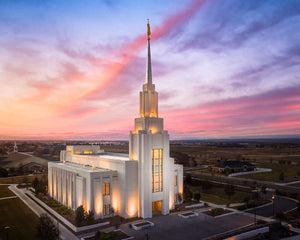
(142, 184)
(15, 147)
(228, 167)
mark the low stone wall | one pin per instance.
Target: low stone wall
(62, 219)
(195, 205)
(249, 234)
(188, 214)
(148, 224)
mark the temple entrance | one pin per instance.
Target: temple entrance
(156, 208)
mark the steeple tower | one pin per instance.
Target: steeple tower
(149, 145)
(148, 98)
(148, 68)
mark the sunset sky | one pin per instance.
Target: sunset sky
(222, 68)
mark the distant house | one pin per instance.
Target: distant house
(34, 167)
(228, 167)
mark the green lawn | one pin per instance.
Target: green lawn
(291, 173)
(5, 192)
(217, 195)
(21, 220)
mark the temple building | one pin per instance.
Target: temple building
(143, 183)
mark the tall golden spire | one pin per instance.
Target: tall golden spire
(148, 68)
(148, 30)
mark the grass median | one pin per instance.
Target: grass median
(19, 218)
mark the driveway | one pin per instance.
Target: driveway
(174, 227)
(281, 204)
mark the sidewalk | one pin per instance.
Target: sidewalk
(65, 234)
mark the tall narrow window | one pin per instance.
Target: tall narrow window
(157, 170)
(106, 209)
(106, 189)
(175, 180)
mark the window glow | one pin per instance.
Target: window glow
(106, 189)
(157, 170)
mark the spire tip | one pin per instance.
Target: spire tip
(148, 30)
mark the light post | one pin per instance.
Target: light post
(256, 194)
(58, 229)
(7, 228)
(273, 200)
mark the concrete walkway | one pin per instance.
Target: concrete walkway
(63, 231)
(4, 198)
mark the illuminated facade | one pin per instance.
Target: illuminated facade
(144, 183)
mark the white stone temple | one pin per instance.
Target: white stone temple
(142, 184)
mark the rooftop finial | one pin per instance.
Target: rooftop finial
(148, 30)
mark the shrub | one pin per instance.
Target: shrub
(197, 196)
(104, 236)
(187, 194)
(89, 217)
(35, 183)
(179, 197)
(79, 215)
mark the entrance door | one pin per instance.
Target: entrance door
(156, 208)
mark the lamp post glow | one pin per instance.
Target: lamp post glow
(273, 200)
(7, 228)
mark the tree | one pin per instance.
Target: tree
(40, 186)
(188, 178)
(187, 194)
(35, 183)
(46, 229)
(281, 176)
(197, 196)
(89, 217)
(3, 172)
(79, 215)
(229, 190)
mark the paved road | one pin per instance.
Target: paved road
(65, 234)
(246, 182)
(281, 204)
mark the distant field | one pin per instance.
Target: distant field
(291, 173)
(20, 179)
(218, 196)
(5, 192)
(21, 220)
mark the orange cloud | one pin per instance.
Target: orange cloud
(54, 104)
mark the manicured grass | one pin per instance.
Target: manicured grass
(5, 192)
(291, 173)
(21, 220)
(20, 179)
(218, 196)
